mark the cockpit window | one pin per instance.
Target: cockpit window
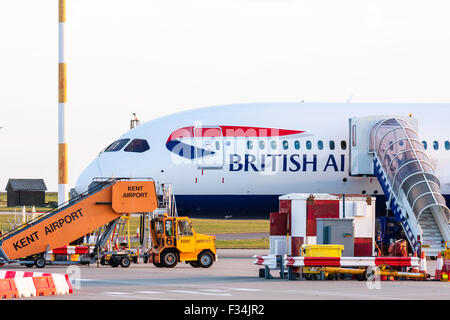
(137, 145)
(117, 145)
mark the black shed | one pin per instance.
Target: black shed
(26, 192)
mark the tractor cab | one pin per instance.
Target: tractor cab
(175, 240)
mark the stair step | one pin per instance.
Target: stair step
(434, 234)
(424, 231)
(433, 242)
(434, 248)
(432, 239)
(431, 253)
(429, 227)
(434, 245)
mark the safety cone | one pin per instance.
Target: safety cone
(24, 216)
(33, 213)
(439, 265)
(415, 270)
(423, 263)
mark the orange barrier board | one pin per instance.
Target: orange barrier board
(44, 286)
(8, 289)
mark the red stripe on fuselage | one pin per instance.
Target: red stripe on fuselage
(230, 131)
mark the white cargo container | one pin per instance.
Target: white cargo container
(295, 223)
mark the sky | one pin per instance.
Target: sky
(157, 57)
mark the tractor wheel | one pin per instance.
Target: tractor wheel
(169, 259)
(194, 264)
(113, 262)
(39, 262)
(125, 262)
(205, 259)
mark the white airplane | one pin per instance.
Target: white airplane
(236, 160)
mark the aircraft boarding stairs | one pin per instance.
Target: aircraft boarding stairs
(389, 148)
(101, 205)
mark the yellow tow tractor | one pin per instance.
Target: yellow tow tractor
(175, 240)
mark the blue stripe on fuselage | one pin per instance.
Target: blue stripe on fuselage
(244, 206)
(187, 151)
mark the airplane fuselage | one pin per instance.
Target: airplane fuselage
(236, 160)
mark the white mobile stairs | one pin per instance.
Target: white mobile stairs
(389, 148)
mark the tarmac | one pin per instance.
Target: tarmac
(233, 277)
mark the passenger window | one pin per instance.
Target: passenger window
(137, 145)
(343, 145)
(273, 144)
(297, 145)
(435, 145)
(308, 145)
(285, 145)
(262, 145)
(332, 145)
(425, 145)
(117, 145)
(249, 145)
(447, 145)
(320, 144)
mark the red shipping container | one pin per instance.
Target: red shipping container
(296, 246)
(278, 224)
(285, 206)
(363, 247)
(320, 209)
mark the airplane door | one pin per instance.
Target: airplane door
(209, 146)
(360, 134)
(361, 163)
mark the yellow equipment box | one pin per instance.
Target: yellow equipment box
(322, 250)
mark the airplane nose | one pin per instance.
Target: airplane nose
(86, 178)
